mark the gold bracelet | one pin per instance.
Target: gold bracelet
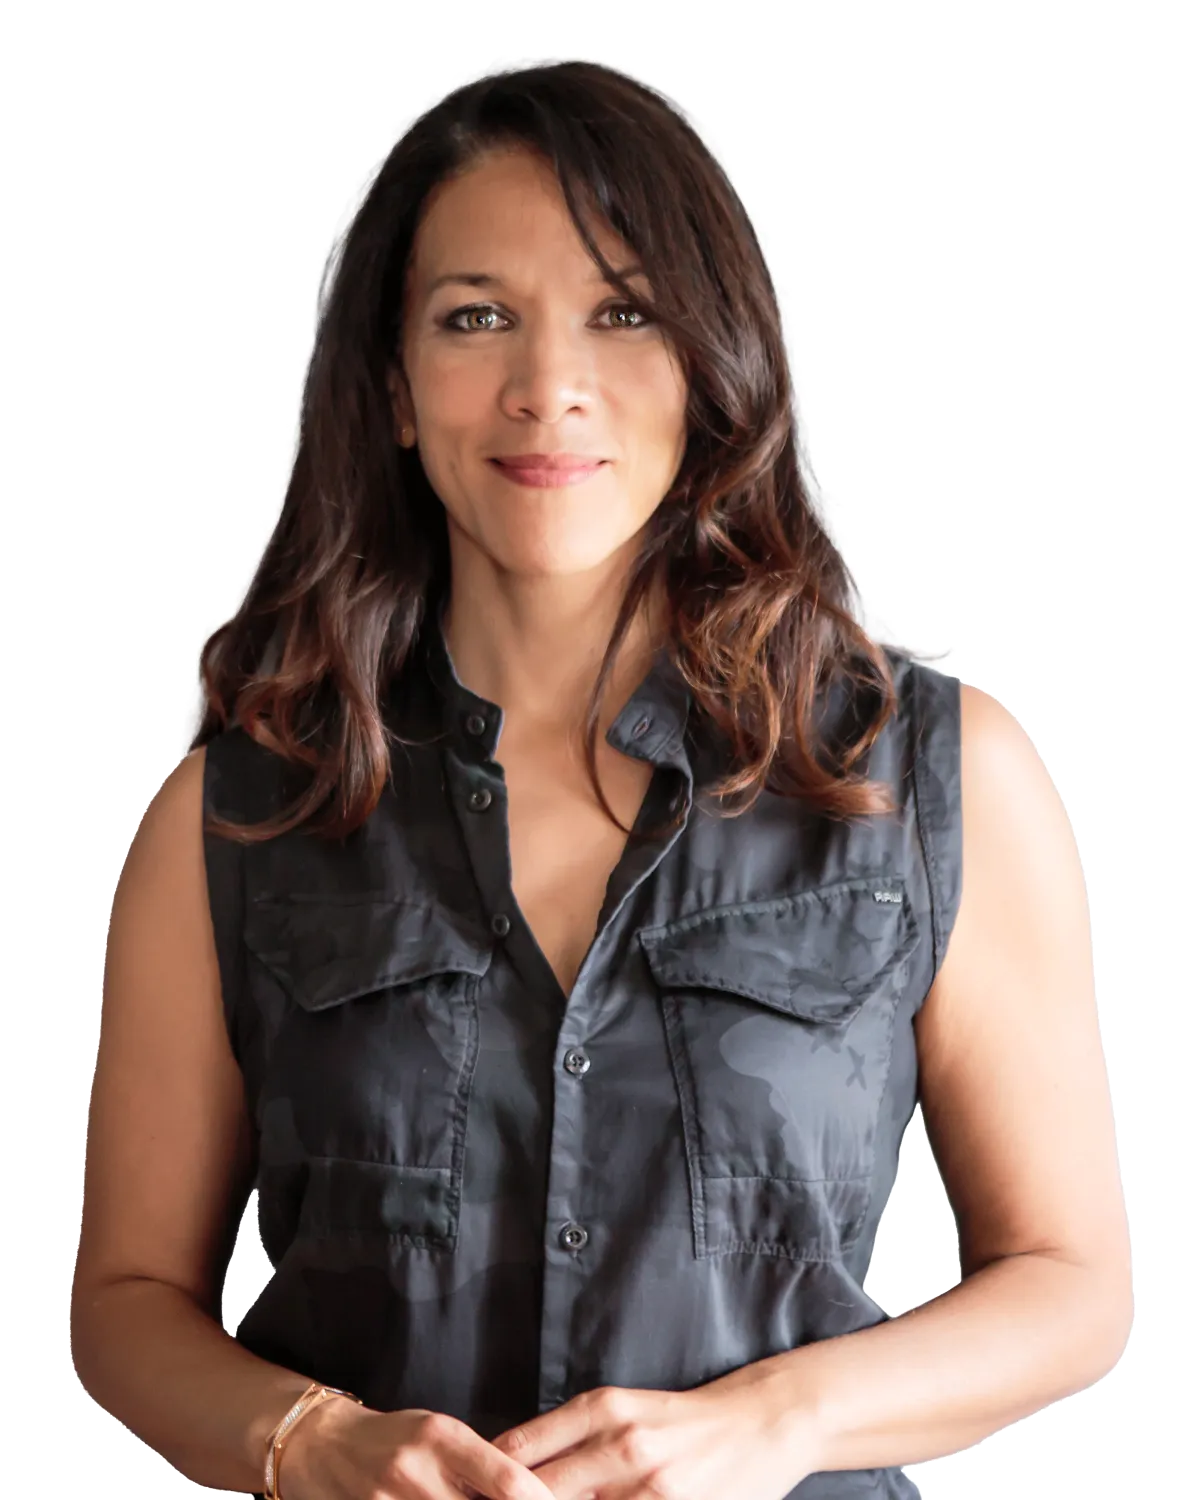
(313, 1396)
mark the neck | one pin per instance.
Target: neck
(535, 647)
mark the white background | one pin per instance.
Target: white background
(982, 224)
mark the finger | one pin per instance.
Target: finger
(584, 1472)
(488, 1473)
(546, 1436)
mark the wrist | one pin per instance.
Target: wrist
(793, 1409)
(280, 1400)
(782, 1406)
(316, 1434)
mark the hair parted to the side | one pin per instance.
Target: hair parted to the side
(759, 600)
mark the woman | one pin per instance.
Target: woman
(584, 901)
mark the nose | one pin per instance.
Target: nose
(549, 371)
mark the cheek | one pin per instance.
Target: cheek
(653, 410)
(456, 392)
(457, 398)
(650, 390)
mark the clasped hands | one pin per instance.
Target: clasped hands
(725, 1440)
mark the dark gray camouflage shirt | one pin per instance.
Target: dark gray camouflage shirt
(481, 1196)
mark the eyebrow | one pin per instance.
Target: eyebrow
(484, 278)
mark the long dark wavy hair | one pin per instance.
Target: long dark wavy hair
(759, 600)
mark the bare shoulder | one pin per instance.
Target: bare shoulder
(163, 877)
(169, 1147)
(1013, 1084)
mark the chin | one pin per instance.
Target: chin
(560, 552)
(546, 540)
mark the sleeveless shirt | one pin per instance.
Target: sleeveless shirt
(482, 1196)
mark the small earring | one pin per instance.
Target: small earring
(405, 434)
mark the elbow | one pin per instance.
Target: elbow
(1109, 1317)
(91, 1329)
(1095, 1305)
(80, 1336)
(1123, 1327)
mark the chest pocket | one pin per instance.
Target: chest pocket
(778, 1018)
(373, 1006)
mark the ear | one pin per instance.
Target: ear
(401, 402)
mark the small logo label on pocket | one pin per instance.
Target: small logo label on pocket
(888, 896)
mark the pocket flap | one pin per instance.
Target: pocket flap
(324, 949)
(346, 1196)
(816, 955)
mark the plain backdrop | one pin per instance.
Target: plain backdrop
(982, 224)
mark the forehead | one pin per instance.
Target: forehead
(506, 215)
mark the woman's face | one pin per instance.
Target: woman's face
(554, 362)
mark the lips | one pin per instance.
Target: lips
(566, 461)
(544, 470)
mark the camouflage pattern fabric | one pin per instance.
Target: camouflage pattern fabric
(482, 1196)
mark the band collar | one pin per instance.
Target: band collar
(651, 725)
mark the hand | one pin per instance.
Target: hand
(343, 1451)
(716, 1440)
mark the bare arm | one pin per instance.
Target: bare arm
(169, 1171)
(1016, 1104)
(161, 1365)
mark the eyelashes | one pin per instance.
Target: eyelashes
(451, 324)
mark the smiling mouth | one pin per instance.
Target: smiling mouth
(543, 477)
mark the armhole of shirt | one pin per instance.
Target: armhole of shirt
(225, 873)
(937, 782)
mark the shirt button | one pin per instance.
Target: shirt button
(476, 723)
(479, 799)
(641, 727)
(500, 924)
(572, 1236)
(577, 1061)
